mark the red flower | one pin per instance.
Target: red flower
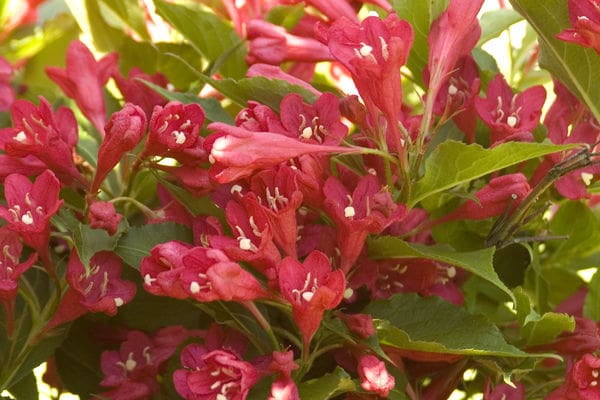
(585, 20)
(102, 215)
(368, 209)
(504, 391)
(311, 287)
(374, 376)
(162, 269)
(173, 132)
(216, 374)
(10, 266)
(124, 131)
(501, 194)
(237, 153)
(510, 116)
(452, 36)
(136, 92)
(37, 129)
(585, 375)
(373, 52)
(7, 93)
(210, 275)
(30, 207)
(83, 79)
(271, 44)
(100, 289)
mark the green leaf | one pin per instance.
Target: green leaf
(286, 16)
(494, 22)
(479, 262)
(575, 66)
(213, 109)
(195, 205)
(417, 12)
(582, 227)
(266, 91)
(90, 20)
(86, 240)
(327, 386)
(138, 241)
(130, 14)
(410, 322)
(591, 307)
(25, 389)
(210, 36)
(539, 329)
(453, 163)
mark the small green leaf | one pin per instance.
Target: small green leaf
(478, 262)
(418, 14)
(453, 163)
(286, 16)
(494, 22)
(266, 91)
(575, 66)
(25, 389)
(327, 386)
(591, 307)
(539, 329)
(138, 241)
(213, 109)
(210, 36)
(90, 20)
(129, 14)
(410, 322)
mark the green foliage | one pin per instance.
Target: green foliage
(410, 322)
(327, 386)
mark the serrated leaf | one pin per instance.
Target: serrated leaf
(138, 241)
(327, 386)
(591, 306)
(575, 66)
(453, 163)
(539, 329)
(478, 262)
(266, 91)
(210, 36)
(494, 22)
(410, 322)
(213, 109)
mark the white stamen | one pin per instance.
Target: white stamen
(20, 137)
(307, 296)
(119, 301)
(452, 90)
(211, 159)
(179, 137)
(215, 385)
(306, 133)
(595, 373)
(245, 244)
(594, 383)
(235, 189)
(27, 218)
(130, 364)
(348, 293)
(384, 48)
(148, 280)
(511, 121)
(349, 212)
(587, 178)
(451, 272)
(195, 287)
(365, 50)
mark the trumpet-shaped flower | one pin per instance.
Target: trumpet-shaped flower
(585, 21)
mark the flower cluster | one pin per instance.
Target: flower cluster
(345, 201)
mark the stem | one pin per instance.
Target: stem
(260, 318)
(142, 207)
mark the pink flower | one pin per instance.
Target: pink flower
(213, 374)
(585, 21)
(275, 72)
(369, 208)
(124, 131)
(7, 93)
(271, 44)
(585, 375)
(504, 391)
(36, 129)
(237, 153)
(210, 275)
(452, 36)
(501, 194)
(360, 324)
(319, 123)
(11, 266)
(333, 9)
(162, 270)
(373, 52)
(174, 132)
(311, 287)
(136, 92)
(102, 215)
(374, 376)
(585, 338)
(83, 79)
(100, 289)
(30, 207)
(510, 116)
